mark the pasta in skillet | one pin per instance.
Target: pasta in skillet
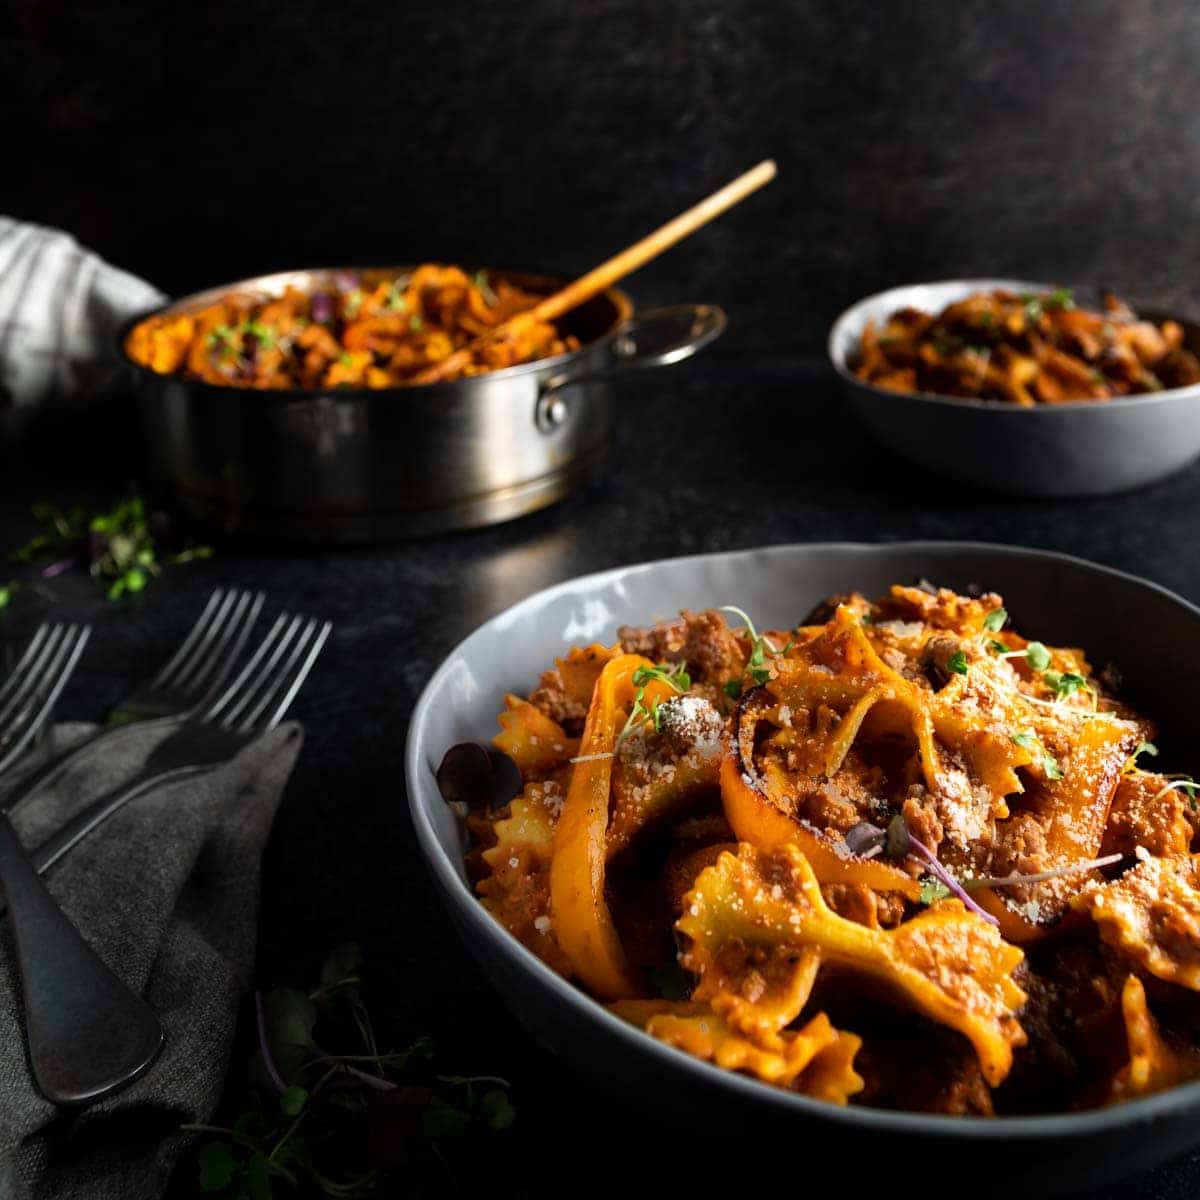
(897, 856)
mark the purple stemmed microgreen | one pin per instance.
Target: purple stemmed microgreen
(898, 842)
(122, 548)
(340, 1117)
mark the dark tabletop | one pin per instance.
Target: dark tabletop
(713, 456)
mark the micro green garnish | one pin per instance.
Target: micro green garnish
(6, 594)
(395, 298)
(415, 323)
(1031, 742)
(264, 333)
(120, 548)
(676, 677)
(897, 843)
(1067, 683)
(221, 337)
(484, 287)
(732, 688)
(1037, 656)
(933, 889)
(997, 647)
(760, 647)
(353, 302)
(1131, 763)
(1033, 307)
(1060, 298)
(994, 621)
(353, 1122)
(1016, 880)
(1185, 784)
(957, 662)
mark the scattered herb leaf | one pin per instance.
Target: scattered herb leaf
(933, 889)
(348, 1122)
(958, 662)
(1037, 656)
(994, 621)
(122, 548)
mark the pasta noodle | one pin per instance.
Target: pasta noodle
(368, 330)
(897, 855)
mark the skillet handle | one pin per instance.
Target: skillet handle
(649, 339)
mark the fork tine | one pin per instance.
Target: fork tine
(17, 673)
(215, 670)
(260, 680)
(30, 676)
(275, 681)
(232, 690)
(200, 653)
(167, 673)
(51, 685)
(292, 687)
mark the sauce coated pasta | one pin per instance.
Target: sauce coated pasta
(898, 855)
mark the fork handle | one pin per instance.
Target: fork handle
(95, 814)
(87, 1032)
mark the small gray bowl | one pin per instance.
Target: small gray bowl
(1152, 635)
(1082, 448)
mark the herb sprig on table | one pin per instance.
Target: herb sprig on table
(123, 548)
(331, 1114)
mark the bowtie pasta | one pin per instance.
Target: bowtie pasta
(898, 855)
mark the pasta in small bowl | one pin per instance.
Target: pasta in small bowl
(1028, 388)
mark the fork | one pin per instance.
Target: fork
(84, 1063)
(63, 981)
(252, 704)
(31, 690)
(196, 670)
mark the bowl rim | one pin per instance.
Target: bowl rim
(1040, 1127)
(622, 302)
(849, 315)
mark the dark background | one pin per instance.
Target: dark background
(198, 144)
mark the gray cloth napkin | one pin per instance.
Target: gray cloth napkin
(60, 309)
(166, 892)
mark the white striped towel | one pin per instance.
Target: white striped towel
(60, 307)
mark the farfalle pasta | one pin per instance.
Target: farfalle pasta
(895, 855)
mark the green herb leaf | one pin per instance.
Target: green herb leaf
(1037, 656)
(732, 688)
(958, 662)
(675, 675)
(1143, 748)
(441, 1120)
(1027, 741)
(995, 620)
(1050, 767)
(217, 1166)
(415, 323)
(1065, 683)
(997, 647)
(293, 1101)
(497, 1110)
(933, 889)
(1061, 298)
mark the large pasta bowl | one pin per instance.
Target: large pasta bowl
(1152, 635)
(1084, 448)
